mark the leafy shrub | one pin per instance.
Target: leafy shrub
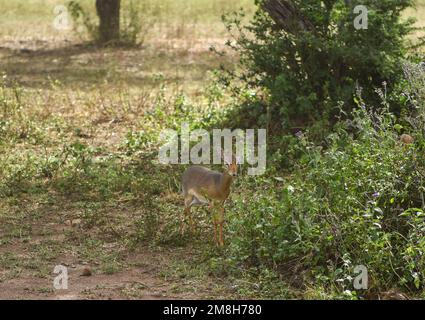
(82, 20)
(305, 75)
(357, 200)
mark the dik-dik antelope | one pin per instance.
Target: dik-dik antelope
(204, 186)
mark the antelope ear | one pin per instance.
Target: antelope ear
(234, 160)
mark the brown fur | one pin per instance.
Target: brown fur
(406, 138)
(202, 186)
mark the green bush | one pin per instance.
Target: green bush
(306, 75)
(357, 200)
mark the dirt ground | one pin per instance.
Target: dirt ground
(132, 283)
(47, 235)
(96, 270)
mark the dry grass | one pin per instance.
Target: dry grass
(178, 37)
(419, 14)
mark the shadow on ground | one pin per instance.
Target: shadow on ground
(34, 63)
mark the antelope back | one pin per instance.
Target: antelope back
(198, 180)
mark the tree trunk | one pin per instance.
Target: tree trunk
(286, 16)
(109, 20)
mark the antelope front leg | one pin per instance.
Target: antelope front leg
(221, 243)
(183, 223)
(216, 223)
(215, 230)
